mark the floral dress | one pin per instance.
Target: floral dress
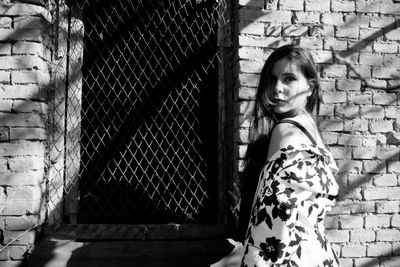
(295, 191)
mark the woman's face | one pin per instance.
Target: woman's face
(290, 88)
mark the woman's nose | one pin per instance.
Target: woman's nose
(278, 87)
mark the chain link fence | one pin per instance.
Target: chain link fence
(137, 113)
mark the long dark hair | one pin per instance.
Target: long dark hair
(263, 119)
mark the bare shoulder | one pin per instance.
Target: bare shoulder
(285, 134)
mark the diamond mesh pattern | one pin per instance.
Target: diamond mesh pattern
(148, 116)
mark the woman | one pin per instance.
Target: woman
(296, 187)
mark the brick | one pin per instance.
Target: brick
(23, 62)
(330, 138)
(390, 261)
(345, 262)
(389, 8)
(250, 53)
(371, 59)
(356, 125)
(334, 71)
(384, 72)
(312, 43)
(24, 222)
(5, 77)
(388, 48)
(350, 166)
(245, 93)
(392, 113)
(363, 98)
(5, 49)
(362, 235)
(338, 236)
(385, 99)
(29, 22)
(364, 153)
(343, 6)
(322, 30)
(363, 71)
(3, 167)
(333, 97)
(34, 35)
(32, 92)
(19, 237)
(247, 66)
(4, 254)
(4, 133)
(332, 19)
(359, 179)
(326, 110)
(249, 80)
(368, 6)
(395, 222)
(372, 112)
(387, 207)
(253, 3)
(317, 5)
(306, 17)
(371, 34)
(388, 153)
(347, 111)
(331, 125)
(393, 35)
(335, 44)
(272, 30)
(291, 5)
(5, 105)
(5, 23)
(32, 76)
(29, 107)
(21, 164)
(348, 32)
(348, 85)
(363, 207)
(295, 30)
(354, 250)
(362, 262)
(350, 140)
(28, 178)
(374, 166)
(385, 180)
(279, 16)
(30, 48)
(381, 22)
(376, 193)
(351, 221)
(322, 57)
(331, 222)
(341, 152)
(377, 221)
(391, 60)
(394, 167)
(22, 148)
(341, 207)
(359, 20)
(251, 28)
(382, 126)
(23, 119)
(379, 249)
(393, 193)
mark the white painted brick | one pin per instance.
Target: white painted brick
(350, 139)
(394, 167)
(362, 262)
(385, 99)
(291, 5)
(348, 85)
(334, 18)
(393, 35)
(307, 18)
(376, 193)
(395, 221)
(385, 180)
(295, 30)
(382, 126)
(364, 71)
(337, 236)
(379, 249)
(334, 71)
(343, 6)
(387, 207)
(363, 207)
(347, 111)
(351, 221)
(250, 53)
(362, 235)
(354, 250)
(347, 32)
(363, 98)
(335, 44)
(377, 221)
(317, 5)
(356, 125)
(33, 92)
(22, 148)
(251, 28)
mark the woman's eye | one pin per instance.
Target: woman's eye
(289, 79)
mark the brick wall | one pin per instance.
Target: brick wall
(355, 43)
(24, 79)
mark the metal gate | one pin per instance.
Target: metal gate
(146, 116)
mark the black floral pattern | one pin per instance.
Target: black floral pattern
(296, 190)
